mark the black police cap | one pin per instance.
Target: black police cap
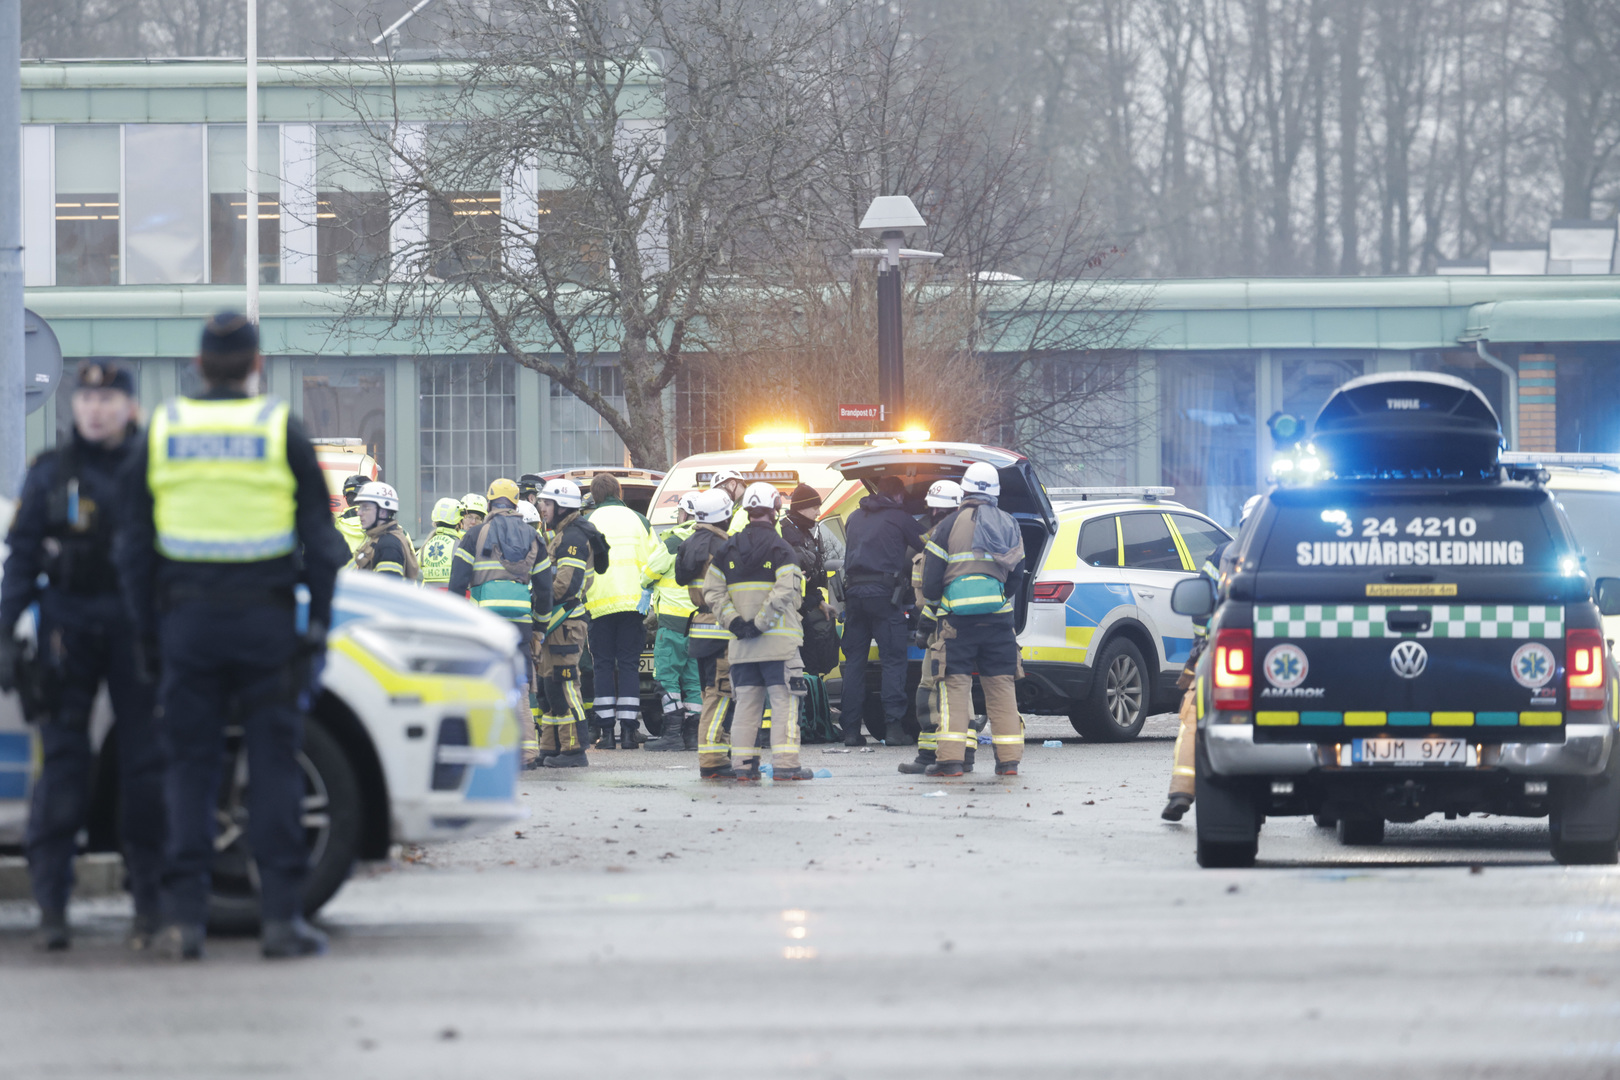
(100, 375)
(230, 332)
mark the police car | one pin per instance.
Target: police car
(1098, 639)
(413, 739)
(1412, 634)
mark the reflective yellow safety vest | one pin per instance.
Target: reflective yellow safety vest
(437, 556)
(630, 545)
(222, 490)
(672, 599)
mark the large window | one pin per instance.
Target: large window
(464, 233)
(704, 412)
(1207, 430)
(1308, 381)
(351, 207)
(579, 436)
(163, 204)
(348, 401)
(87, 204)
(467, 419)
(227, 204)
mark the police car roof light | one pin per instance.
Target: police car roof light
(1084, 493)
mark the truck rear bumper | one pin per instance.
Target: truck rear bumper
(1584, 752)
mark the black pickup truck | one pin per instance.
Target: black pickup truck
(1412, 634)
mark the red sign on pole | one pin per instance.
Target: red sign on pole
(860, 412)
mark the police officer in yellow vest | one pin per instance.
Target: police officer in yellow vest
(228, 513)
(617, 604)
(438, 551)
(973, 567)
(501, 565)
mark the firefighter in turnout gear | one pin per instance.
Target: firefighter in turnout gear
(438, 552)
(943, 497)
(706, 639)
(227, 514)
(577, 551)
(973, 565)
(673, 665)
(503, 568)
(387, 548)
(60, 557)
(348, 521)
(1184, 774)
(754, 586)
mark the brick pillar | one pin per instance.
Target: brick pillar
(1538, 402)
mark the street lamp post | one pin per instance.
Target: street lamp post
(252, 193)
(890, 216)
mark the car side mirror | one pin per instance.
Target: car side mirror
(1195, 597)
(1608, 595)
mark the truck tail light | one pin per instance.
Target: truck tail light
(1234, 669)
(1052, 592)
(1584, 668)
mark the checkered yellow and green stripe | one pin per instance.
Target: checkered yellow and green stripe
(1368, 621)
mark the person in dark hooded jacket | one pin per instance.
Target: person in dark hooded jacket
(880, 538)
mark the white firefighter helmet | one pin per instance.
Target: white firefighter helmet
(944, 494)
(761, 496)
(981, 478)
(713, 507)
(724, 476)
(380, 493)
(688, 503)
(562, 491)
(527, 511)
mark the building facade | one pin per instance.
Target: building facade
(135, 224)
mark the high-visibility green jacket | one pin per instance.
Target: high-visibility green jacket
(437, 556)
(349, 527)
(673, 601)
(630, 545)
(222, 490)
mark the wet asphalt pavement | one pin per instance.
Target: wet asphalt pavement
(644, 924)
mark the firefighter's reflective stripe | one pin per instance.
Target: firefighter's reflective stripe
(222, 490)
(974, 594)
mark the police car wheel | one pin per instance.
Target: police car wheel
(331, 821)
(1324, 821)
(1361, 831)
(1117, 706)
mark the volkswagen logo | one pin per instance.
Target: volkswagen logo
(1409, 659)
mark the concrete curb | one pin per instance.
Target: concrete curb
(97, 875)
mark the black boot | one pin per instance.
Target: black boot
(895, 735)
(604, 734)
(716, 772)
(52, 935)
(143, 931)
(852, 730)
(1006, 768)
(284, 939)
(944, 768)
(799, 773)
(669, 736)
(689, 731)
(629, 734)
(967, 758)
(925, 758)
(746, 770)
(1177, 807)
(567, 759)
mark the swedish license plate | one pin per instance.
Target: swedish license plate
(1408, 752)
(646, 667)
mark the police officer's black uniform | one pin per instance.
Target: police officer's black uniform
(230, 648)
(880, 538)
(63, 531)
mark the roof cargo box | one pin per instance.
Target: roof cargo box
(1408, 425)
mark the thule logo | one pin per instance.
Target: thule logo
(1403, 403)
